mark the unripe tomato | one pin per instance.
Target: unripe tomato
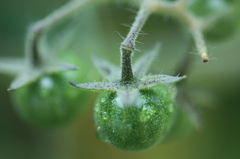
(49, 101)
(138, 126)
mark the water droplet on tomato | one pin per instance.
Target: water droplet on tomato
(103, 100)
(101, 136)
(147, 112)
(46, 82)
(97, 107)
(105, 115)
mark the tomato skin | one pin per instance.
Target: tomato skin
(139, 126)
(50, 101)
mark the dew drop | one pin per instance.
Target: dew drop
(97, 107)
(113, 101)
(143, 96)
(103, 100)
(46, 82)
(147, 113)
(105, 115)
(101, 136)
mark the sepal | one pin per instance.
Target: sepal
(97, 86)
(106, 69)
(25, 78)
(142, 64)
(32, 74)
(154, 80)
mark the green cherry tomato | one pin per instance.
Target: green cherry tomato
(139, 126)
(49, 101)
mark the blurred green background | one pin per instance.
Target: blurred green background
(215, 85)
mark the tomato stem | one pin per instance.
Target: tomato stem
(128, 45)
(200, 43)
(39, 28)
(127, 73)
(32, 47)
(178, 10)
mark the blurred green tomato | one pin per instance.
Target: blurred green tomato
(49, 101)
(138, 126)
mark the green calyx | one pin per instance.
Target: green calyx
(127, 81)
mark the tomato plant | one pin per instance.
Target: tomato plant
(135, 111)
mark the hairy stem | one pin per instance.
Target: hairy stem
(39, 28)
(200, 43)
(127, 73)
(128, 45)
(178, 10)
(32, 49)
